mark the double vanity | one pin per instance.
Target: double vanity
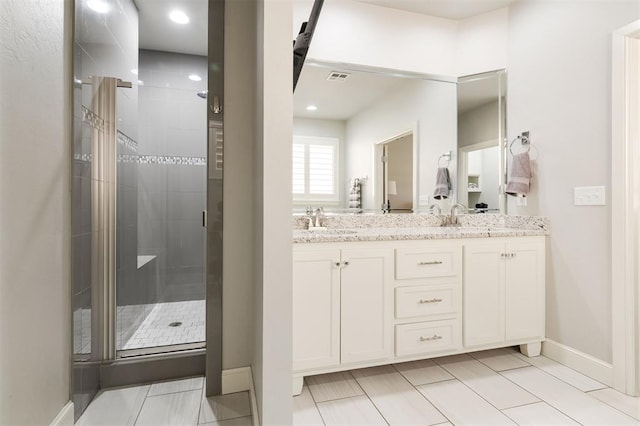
(381, 289)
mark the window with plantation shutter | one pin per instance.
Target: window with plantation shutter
(315, 169)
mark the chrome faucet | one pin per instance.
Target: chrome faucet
(453, 219)
(316, 221)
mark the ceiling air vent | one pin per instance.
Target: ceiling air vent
(338, 76)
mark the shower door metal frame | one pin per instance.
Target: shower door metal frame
(215, 181)
(118, 368)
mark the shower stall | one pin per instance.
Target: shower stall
(147, 161)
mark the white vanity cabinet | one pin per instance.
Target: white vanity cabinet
(316, 308)
(503, 291)
(361, 304)
(428, 306)
(342, 305)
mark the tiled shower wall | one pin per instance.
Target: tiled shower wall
(104, 45)
(172, 171)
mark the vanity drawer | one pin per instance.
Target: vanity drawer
(422, 300)
(427, 263)
(426, 337)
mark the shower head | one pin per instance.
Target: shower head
(202, 94)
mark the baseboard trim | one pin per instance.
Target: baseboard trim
(241, 380)
(579, 361)
(255, 416)
(236, 380)
(65, 416)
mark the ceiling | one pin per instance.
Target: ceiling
(473, 92)
(339, 100)
(449, 9)
(335, 101)
(157, 32)
(343, 100)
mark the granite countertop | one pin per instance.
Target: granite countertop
(412, 227)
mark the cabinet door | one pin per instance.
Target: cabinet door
(316, 309)
(483, 293)
(524, 288)
(366, 305)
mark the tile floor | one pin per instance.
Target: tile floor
(493, 387)
(156, 331)
(177, 402)
(496, 387)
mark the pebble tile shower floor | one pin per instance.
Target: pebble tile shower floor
(159, 328)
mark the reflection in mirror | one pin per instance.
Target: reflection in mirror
(390, 128)
(481, 127)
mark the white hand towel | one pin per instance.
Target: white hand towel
(443, 184)
(518, 184)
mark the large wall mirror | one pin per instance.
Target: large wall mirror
(371, 140)
(481, 156)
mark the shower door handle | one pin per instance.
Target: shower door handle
(204, 218)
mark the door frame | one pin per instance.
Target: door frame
(625, 205)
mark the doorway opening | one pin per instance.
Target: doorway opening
(395, 173)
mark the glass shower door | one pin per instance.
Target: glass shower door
(161, 197)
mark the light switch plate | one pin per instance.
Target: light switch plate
(589, 196)
(521, 201)
(424, 200)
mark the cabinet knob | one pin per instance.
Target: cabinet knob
(345, 263)
(432, 262)
(337, 264)
(430, 339)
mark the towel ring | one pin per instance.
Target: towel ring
(447, 159)
(523, 140)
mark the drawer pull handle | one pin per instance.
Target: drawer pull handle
(434, 300)
(433, 262)
(430, 339)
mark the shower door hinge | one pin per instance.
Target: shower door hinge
(204, 218)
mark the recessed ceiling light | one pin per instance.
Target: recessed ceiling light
(179, 17)
(99, 6)
(194, 77)
(312, 108)
(134, 71)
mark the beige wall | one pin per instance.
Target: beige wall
(35, 312)
(239, 181)
(560, 90)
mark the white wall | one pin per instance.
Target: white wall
(273, 349)
(430, 104)
(489, 177)
(35, 111)
(365, 34)
(359, 33)
(328, 129)
(482, 43)
(560, 90)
